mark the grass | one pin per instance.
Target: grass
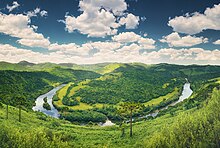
(82, 136)
(62, 92)
(160, 99)
(82, 106)
(165, 85)
(79, 86)
(144, 132)
(109, 68)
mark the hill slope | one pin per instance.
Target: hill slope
(187, 128)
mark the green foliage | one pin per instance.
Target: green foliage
(199, 129)
(127, 84)
(46, 106)
(82, 116)
(189, 128)
(13, 138)
(28, 84)
(192, 123)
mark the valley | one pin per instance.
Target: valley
(174, 99)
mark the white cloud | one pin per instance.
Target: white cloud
(102, 24)
(18, 25)
(14, 5)
(130, 21)
(37, 11)
(174, 40)
(43, 13)
(126, 37)
(71, 49)
(100, 18)
(131, 37)
(197, 22)
(124, 54)
(217, 42)
(143, 18)
(35, 42)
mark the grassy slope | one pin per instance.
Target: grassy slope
(163, 98)
(173, 130)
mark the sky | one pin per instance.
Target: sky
(99, 31)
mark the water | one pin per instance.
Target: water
(39, 103)
(186, 93)
(107, 123)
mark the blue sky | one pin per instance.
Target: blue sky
(97, 31)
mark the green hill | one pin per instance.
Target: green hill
(154, 86)
(198, 126)
(90, 98)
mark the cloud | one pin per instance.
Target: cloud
(35, 42)
(18, 25)
(37, 11)
(197, 22)
(188, 56)
(70, 49)
(14, 5)
(143, 18)
(123, 54)
(217, 42)
(106, 16)
(130, 21)
(174, 40)
(131, 37)
(126, 37)
(43, 13)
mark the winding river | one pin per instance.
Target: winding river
(186, 93)
(40, 100)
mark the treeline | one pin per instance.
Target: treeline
(83, 116)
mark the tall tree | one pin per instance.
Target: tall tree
(130, 107)
(21, 100)
(6, 101)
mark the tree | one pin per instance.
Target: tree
(130, 108)
(6, 98)
(21, 100)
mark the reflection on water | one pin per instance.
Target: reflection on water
(40, 100)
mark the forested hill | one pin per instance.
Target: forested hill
(118, 82)
(30, 84)
(141, 83)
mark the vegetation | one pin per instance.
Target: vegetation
(155, 86)
(32, 82)
(46, 105)
(191, 123)
(130, 107)
(197, 127)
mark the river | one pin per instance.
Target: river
(186, 93)
(39, 103)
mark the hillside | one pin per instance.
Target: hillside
(155, 86)
(23, 81)
(90, 98)
(186, 128)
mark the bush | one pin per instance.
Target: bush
(46, 106)
(13, 138)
